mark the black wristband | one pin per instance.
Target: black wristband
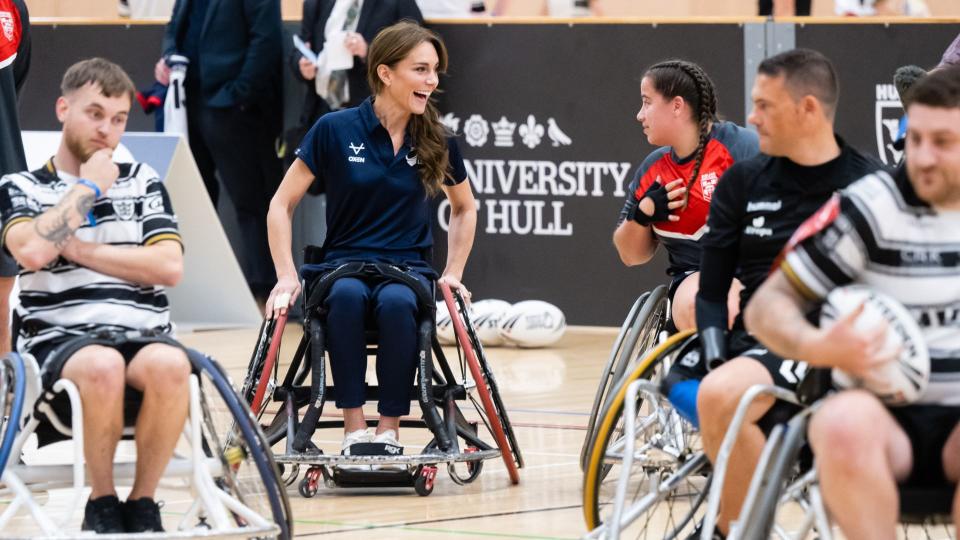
(661, 211)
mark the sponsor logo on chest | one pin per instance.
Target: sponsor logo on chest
(356, 157)
(757, 228)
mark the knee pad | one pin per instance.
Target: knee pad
(683, 397)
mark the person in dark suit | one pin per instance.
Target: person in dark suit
(373, 16)
(234, 110)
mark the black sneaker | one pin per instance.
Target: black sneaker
(103, 515)
(142, 515)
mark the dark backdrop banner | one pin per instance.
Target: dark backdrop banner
(547, 117)
(866, 55)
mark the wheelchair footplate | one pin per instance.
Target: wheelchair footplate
(381, 466)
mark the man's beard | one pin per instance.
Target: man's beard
(76, 147)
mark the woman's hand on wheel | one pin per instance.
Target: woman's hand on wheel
(283, 295)
(454, 283)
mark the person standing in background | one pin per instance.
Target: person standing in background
(234, 111)
(14, 65)
(356, 22)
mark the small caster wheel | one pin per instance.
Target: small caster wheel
(310, 483)
(423, 485)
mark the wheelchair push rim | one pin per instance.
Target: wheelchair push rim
(509, 453)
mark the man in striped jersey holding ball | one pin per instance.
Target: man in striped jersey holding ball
(900, 234)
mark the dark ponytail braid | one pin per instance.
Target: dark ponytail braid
(688, 80)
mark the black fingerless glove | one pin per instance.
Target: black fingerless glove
(658, 194)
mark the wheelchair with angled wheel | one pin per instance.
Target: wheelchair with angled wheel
(640, 331)
(646, 475)
(221, 481)
(291, 411)
(784, 499)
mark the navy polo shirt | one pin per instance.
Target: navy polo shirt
(376, 205)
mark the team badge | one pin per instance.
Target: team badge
(123, 208)
(708, 183)
(6, 22)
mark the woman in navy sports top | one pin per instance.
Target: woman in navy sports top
(669, 197)
(378, 165)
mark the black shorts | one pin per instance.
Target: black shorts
(928, 427)
(8, 265)
(53, 354)
(675, 282)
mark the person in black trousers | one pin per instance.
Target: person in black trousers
(234, 111)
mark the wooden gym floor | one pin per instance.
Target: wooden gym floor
(548, 393)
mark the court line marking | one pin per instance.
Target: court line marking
(411, 525)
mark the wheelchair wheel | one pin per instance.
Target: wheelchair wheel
(12, 393)
(263, 364)
(638, 334)
(667, 472)
(491, 407)
(249, 473)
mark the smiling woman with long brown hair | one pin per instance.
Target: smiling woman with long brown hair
(379, 164)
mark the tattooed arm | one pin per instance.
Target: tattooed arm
(36, 243)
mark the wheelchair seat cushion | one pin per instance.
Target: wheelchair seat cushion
(928, 427)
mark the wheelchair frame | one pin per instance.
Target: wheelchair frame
(435, 389)
(676, 461)
(776, 482)
(639, 333)
(229, 515)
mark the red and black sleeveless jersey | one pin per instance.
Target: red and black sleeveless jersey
(14, 61)
(728, 144)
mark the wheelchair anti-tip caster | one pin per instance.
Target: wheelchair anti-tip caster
(423, 485)
(311, 482)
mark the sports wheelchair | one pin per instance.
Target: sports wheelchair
(784, 499)
(641, 330)
(456, 438)
(646, 475)
(222, 460)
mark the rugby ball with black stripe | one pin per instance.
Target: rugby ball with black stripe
(486, 316)
(533, 323)
(445, 332)
(898, 382)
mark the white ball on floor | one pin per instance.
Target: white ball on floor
(898, 382)
(533, 323)
(445, 331)
(486, 316)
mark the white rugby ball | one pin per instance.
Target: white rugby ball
(445, 331)
(533, 323)
(486, 316)
(897, 382)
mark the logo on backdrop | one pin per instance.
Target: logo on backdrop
(532, 191)
(888, 115)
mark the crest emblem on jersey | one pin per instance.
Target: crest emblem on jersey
(356, 149)
(123, 208)
(6, 22)
(888, 113)
(708, 183)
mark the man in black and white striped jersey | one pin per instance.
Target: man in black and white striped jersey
(96, 243)
(900, 234)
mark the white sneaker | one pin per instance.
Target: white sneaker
(354, 437)
(387, 437)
